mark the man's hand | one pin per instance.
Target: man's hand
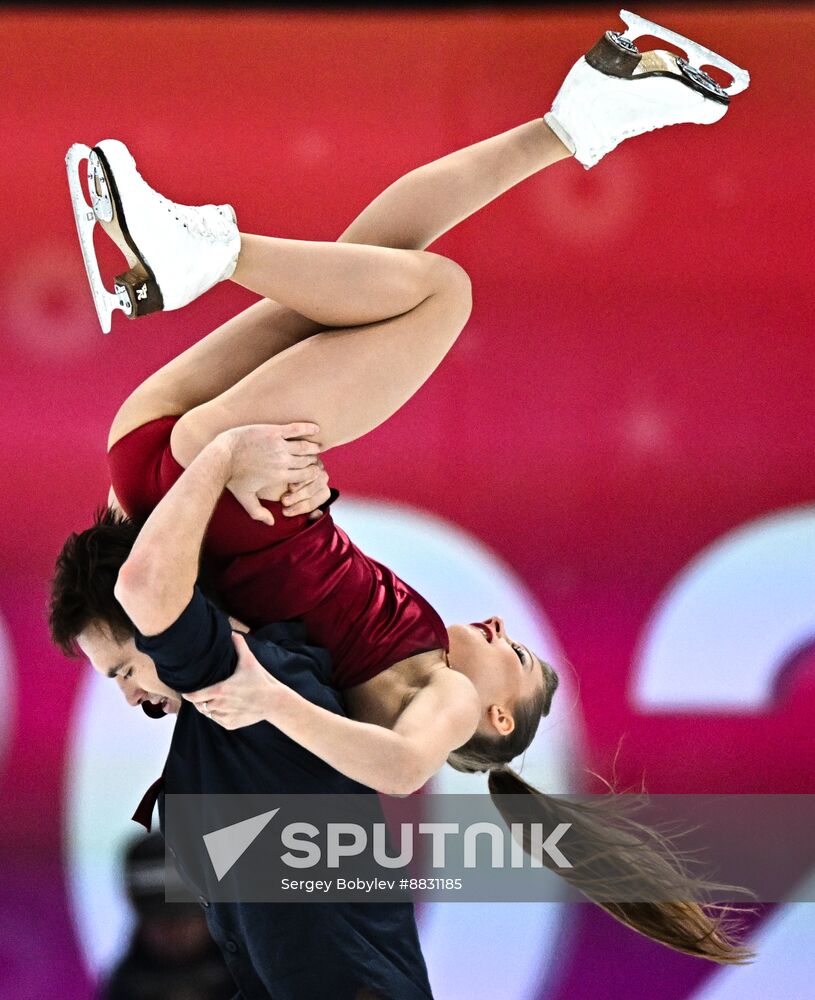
(267, 460)
(242, 699)
(305, 498)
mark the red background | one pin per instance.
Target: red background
(636, 378)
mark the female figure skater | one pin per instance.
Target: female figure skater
(344, 334)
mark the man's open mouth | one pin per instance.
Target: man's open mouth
(157, 710)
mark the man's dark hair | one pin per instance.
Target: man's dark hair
(84, 577)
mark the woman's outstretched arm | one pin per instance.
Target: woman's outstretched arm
(398, 761)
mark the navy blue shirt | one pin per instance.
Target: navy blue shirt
(291, 951)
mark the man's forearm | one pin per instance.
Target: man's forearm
(157, 581)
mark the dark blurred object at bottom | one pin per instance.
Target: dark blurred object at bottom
(171, 955)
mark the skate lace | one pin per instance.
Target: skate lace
(209, 222)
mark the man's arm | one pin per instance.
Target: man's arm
(156, 583)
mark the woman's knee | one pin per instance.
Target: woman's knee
(454, 284)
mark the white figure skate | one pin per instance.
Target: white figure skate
(615, 91)
(175, 252)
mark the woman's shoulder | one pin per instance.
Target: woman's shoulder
(454, 693)
(443, 713)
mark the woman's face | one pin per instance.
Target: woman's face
(502, 670)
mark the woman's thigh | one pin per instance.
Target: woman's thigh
(348, 380)
(212, 365)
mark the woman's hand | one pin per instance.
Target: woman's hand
(244, 698)
(268, 460)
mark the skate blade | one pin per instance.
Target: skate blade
(697, 54)
(86, 218)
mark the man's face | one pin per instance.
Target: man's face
(134, 672)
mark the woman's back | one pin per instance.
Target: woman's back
(358, 609)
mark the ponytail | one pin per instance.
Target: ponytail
(614, 850)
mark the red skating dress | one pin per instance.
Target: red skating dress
(358, 609)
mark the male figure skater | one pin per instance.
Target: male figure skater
(167, 638)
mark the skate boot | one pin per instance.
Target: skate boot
(175, 252)
(615, 91)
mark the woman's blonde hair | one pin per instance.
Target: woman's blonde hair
(613, 850)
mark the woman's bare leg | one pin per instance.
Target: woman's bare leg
(212, 365)
(429, 201)
(347, 380)
(339, 284)
(410, 214)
